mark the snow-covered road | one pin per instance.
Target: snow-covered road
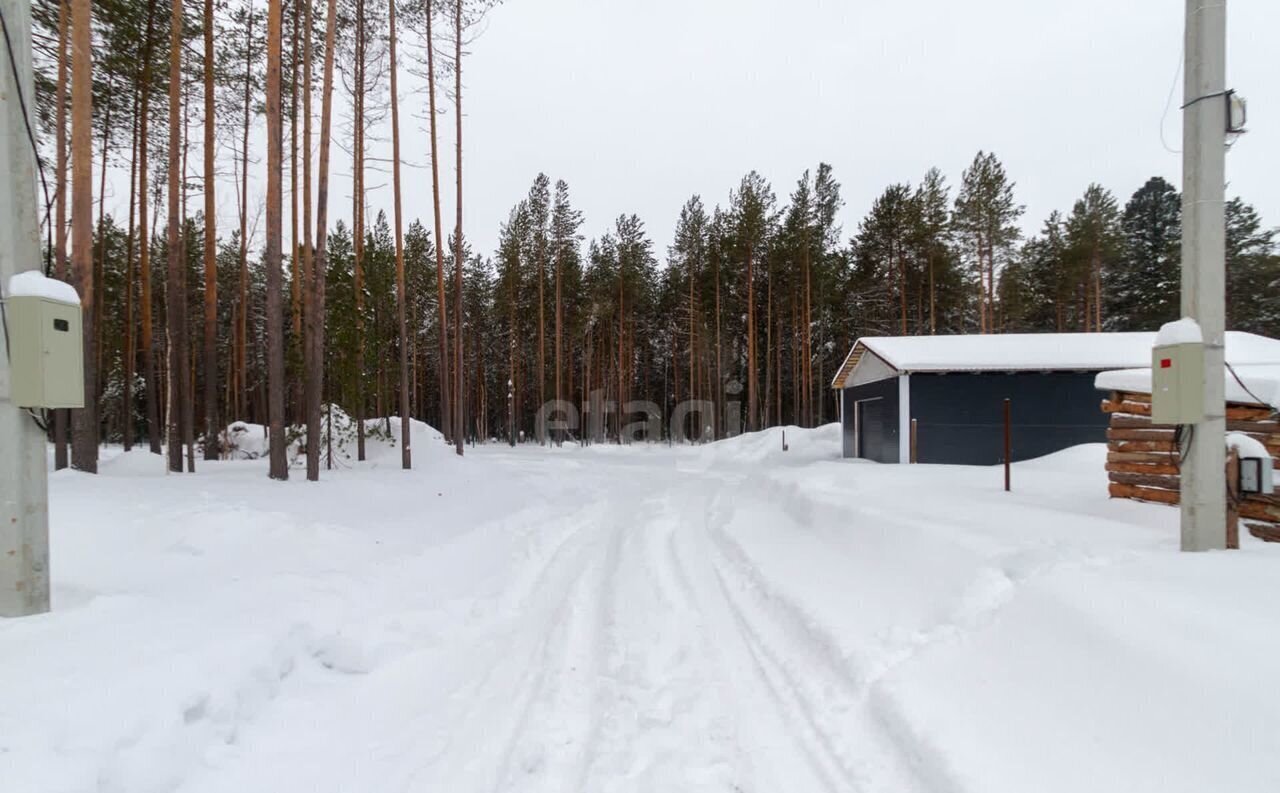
(723, 618)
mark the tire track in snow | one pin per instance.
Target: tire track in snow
(654, 692)
(807, 662)
(540, 615)
(768, 710)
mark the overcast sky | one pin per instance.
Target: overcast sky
(640, 105)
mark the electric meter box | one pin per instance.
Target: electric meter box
(1177, 383)
(46, 349)
(1257, 475)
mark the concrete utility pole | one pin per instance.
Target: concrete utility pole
(1204, 130)
(24, 497)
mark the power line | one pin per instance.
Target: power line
(31, 136)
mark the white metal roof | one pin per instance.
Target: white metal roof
(1090, 352)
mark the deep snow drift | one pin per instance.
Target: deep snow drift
(725, 617)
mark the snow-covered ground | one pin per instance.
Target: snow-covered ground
(722, 618)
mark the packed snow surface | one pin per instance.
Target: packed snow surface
(729, 617)
(33, 283)
(1180, 331)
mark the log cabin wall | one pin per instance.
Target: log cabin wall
(1143, 462)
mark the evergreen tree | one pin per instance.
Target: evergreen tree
(986, 218)
(1253, 272)
(1143, 288)
(1094, 239)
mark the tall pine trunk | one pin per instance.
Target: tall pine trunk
(279, 466)
(60, 417)
(315, 317)
(558, 339)
(295, 252)
(457, 241)
(146, 338)
(808, 331)
(127, 343)
(210, 251)
(175, 299)
(752, 385)
(357, 197)
(446, 419)
(242, 315)
(84, 422)
(405, 410)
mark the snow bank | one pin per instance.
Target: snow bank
(33, 283)
(766, 447)
(243, 440)
(1182, 331)
(619, 619)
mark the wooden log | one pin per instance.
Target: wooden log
(1166, 482)
(1148, 458)
(1267, 532)
(1164, 469)
(1255, 511)
(1246, 413)
(1133, 408)
(1154, 495)
(1163, 435)
(1235, 413)
(1161, 447)
(1125, 422)
(1260, 427)
(1233, 500)
(1271, 501)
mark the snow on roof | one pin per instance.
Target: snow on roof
(1038, 352)
(1249, 384)
(33, 283)
(1013, 352)
(1182, 331)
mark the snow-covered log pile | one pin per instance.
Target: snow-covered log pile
(1143, 462)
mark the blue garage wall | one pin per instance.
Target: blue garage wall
(880, 437)
(961, 421)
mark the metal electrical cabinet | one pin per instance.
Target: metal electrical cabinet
(1177, 383)
(46, 349)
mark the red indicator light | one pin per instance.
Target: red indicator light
(1166, 363)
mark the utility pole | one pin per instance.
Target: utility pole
(24, 495)
(1204, 130)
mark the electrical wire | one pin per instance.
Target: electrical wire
(1252, 395)
(1168, 103)
(31, 136)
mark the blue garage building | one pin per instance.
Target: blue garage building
(954, 388)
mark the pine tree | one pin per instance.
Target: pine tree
(60, 224)
(210, 250)
(175, 295)
(753, 216)
(1094, 239)
(986, 218)
(883, 241)
(932, 235)
(1143, 288)
(539, 216)
(565, 241)
(84, 422)
(279, 465)
(406, 411)
(1253, 272)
